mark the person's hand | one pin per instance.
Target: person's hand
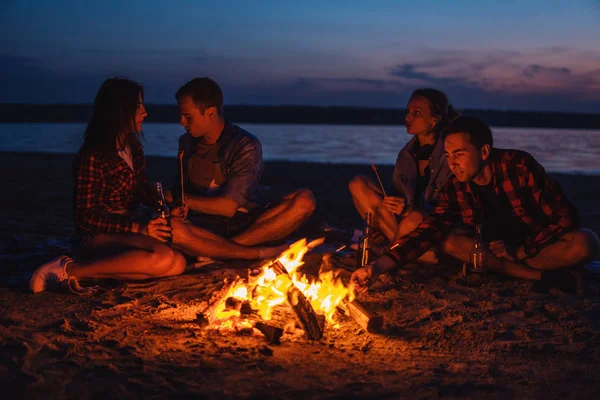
(393, 204)
(502, 250)
(363, 277)
(180, 211)
(158, 228)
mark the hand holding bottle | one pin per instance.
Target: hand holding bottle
(158, 228)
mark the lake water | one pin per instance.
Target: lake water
(558, 150)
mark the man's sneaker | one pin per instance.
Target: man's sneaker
(50, 275)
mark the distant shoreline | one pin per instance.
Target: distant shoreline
(303, 115)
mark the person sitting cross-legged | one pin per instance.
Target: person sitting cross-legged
(530, 227)
(222, 167)
(420, 173)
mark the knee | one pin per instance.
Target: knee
(414, 218)
(164, 261)
(304, 201)
(358, 185)
(585, 245)
(178, 264)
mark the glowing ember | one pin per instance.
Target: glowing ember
(269, 289)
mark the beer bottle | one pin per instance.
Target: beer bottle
(162, 208)
(364, 243)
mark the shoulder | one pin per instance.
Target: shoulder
(404, 152)
(238, 139)
(242, 135)
(517, 158)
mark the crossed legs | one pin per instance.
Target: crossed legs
(197, 242)
(126, 256)
(367, 197)
(571, 249)
(279, 221)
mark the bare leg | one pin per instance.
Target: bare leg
(196, 241)
(367, 197)
(459, 244)
(280, 221)
(127, 256)
(571, 249)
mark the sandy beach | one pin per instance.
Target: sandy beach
(440, 338)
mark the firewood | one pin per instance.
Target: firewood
(216, 298)
(272, 333)
(303, 310)
(364, 316)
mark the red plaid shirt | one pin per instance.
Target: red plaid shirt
(104, 185)
(537, 199)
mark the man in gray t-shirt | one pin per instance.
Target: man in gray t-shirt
(222, 167)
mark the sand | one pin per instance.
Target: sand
(440, 337)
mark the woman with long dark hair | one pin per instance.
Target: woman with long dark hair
(420, 173)
(115, 234)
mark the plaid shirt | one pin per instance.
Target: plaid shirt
(104, 185)
(537, 199)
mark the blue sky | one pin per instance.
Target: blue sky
(526, 55)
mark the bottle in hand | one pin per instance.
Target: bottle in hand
(364, 243)
(162, 208)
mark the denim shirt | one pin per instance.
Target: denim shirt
(404, 179)
(240, 157)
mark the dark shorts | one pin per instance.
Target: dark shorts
(224, 226)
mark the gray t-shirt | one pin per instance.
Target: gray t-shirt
(205, 174)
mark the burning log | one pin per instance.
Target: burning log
(301, 306)
(363, 315)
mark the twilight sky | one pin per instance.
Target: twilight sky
(511, 54)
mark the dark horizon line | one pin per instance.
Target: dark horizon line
(81, 112)
(459, 109)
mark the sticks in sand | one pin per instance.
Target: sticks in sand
(180, 157)
(379, 179)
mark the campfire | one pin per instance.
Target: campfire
(314, 302)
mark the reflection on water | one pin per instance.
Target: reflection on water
(556, 149)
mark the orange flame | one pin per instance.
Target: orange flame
(268, 289)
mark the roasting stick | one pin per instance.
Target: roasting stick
(381, 186)
(180, 157)
(379, 179)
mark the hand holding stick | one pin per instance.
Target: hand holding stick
(381, 186)
(180, 157)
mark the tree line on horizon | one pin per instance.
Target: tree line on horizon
(302, 115)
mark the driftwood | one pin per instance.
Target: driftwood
(305, 314)
(363, 315)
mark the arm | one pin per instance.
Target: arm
(429, 232)
(407, 248)
(89, 187)
(552, 201)
(219, 205)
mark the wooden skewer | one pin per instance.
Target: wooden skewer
(379, 179)
(382, 188)
(180, 157)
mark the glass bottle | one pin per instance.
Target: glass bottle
(477, 257)
(162, 208)
(364, 243)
